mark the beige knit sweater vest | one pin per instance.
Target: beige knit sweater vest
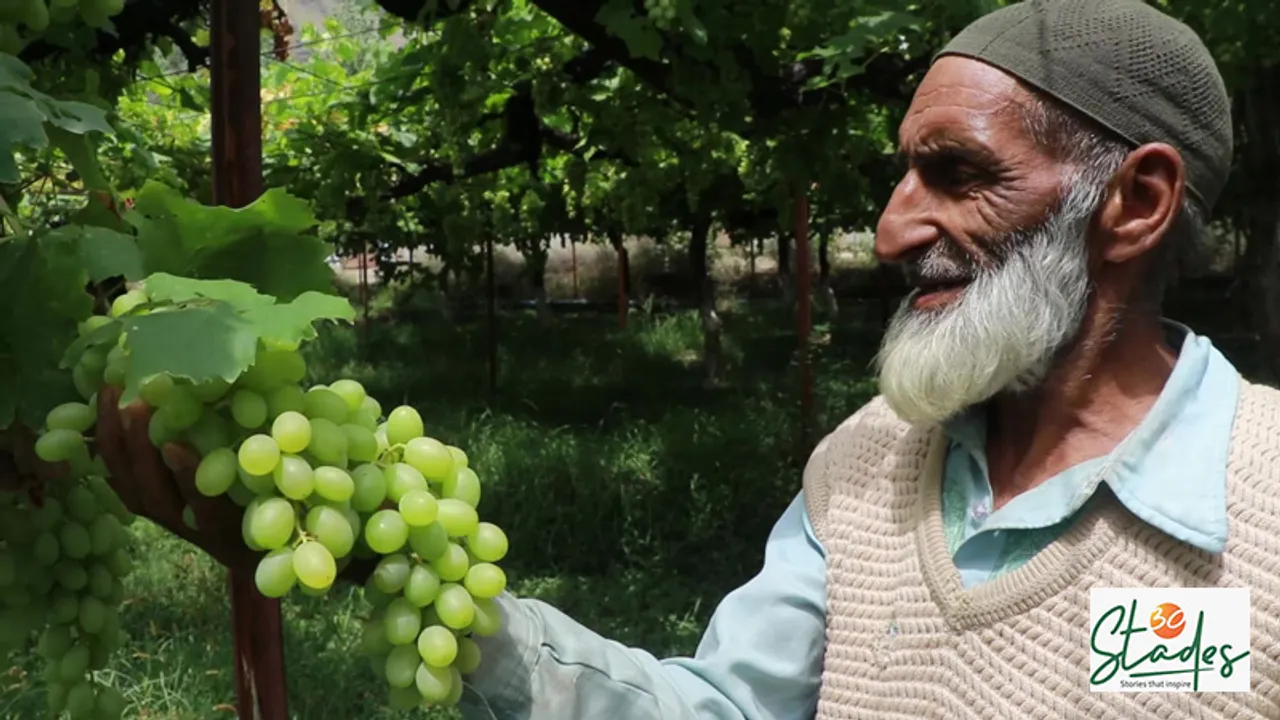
(906, 641)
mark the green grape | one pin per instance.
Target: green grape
(372, 406)
(91, 323)
(160, 429)
(292, 431)
(386, 532)
(189, 518)
(275, 575)
(115, 374)
(328, 442)
(209, 433)
(365, 418)
(351, 392)
(82, 505)
(127, 302)
(458, 518)
(294, 477)
(403, 424)
(75, 663)
(80, 700)
(74, 416)
(464, 485)
(315, 565)
(86, 381)
(119, 564)
(55, 641)
(101, 583)
(259, 454)
(330, 528)
(468, 656)
(74, 540)
(375, 597)
(284, 365)
(403, 478)
(485, 580)
(402, 621)
(487, 619)
(216, 472)
(92, 614)
(459, 457)
(211, 390)
(429, 542)
(334, 484)
(58, 445)
(257, 484)
(455, 606)
(286, 398)
(155, 390)
(373, 639)
(404, 699)
(437, 646)
(418, 508)
(423, 586)
(370, 488)
(105, 535)
(362, 445)
(391, 573)
(183, 407)
(249, 410)
(429, 457)
(246, 524)
(402, 664)
(452, 564)
(321, 402)
(433, 683)
(272, 523)
(111, 703)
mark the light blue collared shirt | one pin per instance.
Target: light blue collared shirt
(761, 657)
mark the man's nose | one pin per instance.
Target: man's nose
(907, 226)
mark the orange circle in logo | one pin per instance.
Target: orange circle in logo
(1167, 621)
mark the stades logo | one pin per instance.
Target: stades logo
(1169, 640)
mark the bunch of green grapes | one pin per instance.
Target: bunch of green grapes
(325, 479)
(24, 20)
(66, 551)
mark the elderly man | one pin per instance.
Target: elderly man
(1041, 430)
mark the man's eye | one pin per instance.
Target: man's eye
(952, 176)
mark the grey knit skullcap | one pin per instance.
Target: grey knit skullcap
(1128, 66)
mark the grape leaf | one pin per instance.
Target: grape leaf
(163, 286)
(76, 117)
(284, 266)
(292, 322)
(198, 343)
(81, 150)
(45, 300)
(261, 244)
(21, 125)
(103, 253)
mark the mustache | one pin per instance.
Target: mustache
(945, 262)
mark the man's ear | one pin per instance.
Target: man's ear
(1142, 202)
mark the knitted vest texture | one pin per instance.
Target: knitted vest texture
(906, 641)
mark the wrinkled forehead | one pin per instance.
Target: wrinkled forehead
(964, 101)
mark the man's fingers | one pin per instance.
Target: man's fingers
(111, 447)
(159, 496)
(217, 518)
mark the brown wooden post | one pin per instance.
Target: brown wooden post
(492, 313)
(804, 315)
(237, 181)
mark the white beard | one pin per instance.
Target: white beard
(1005, 330)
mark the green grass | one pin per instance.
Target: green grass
(635, 494)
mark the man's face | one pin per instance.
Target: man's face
(991, 232)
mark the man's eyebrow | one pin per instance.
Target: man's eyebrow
(940, 147)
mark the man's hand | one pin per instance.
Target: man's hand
(159, 484)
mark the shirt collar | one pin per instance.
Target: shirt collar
(1171, 470)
